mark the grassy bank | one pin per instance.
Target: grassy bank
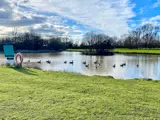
(29, 94)
(38, 51)
(137, 51)
(76, 50)
(126, 51)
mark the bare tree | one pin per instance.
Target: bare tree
(143, 37)
(149, 33)
(99, 42)
(90, 40)
(15, 34)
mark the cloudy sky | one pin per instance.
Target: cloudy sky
(73, 18)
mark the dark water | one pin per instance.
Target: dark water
(137, 66)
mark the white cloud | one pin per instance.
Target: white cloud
(77, 37)
(13, 15)
(10, 15)
(54, 27)
(5, 31)
(2, 10)
(143, 9)
(156, 4)
(50, 29)
(133, 25)
(154, 20)
(110, 16)
(5, 10)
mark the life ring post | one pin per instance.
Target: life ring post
(19, 59)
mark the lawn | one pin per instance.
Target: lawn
(76, 50)
(29, 94)
(137, 51)
(126, 50)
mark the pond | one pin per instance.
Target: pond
(135, 66)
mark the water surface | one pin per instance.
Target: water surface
(137, 66)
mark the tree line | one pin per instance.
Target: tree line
(33, 41)
(98, 42)
(146, 36)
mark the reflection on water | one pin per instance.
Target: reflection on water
(137, 66)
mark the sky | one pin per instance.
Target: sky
(74, 18)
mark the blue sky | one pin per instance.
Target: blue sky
(73, 18)
(145, 9)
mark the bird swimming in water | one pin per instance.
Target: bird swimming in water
(71, 62)
(121, 65)
(96, 67)
(87, 66)
(48, 61)
(114, 65)
(124, 64)
(95, 62)
(39, 62)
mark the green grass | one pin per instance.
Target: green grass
(29, 94)
(137, 51)
(76, 50)
(126, 50)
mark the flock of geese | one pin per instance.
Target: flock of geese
(84, 63)
(48, 61)
(122, 65)
(65, 62)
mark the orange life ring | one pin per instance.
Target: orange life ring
(21, 58)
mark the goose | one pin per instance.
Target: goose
(65, 62)
(39, 62)
(121, 65)
(48, 61)
(84, 62)
(71, 62)
(124, 64)
(87, 65)
(96, 62)
(114, 65)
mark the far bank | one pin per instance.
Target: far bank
(154, 51)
